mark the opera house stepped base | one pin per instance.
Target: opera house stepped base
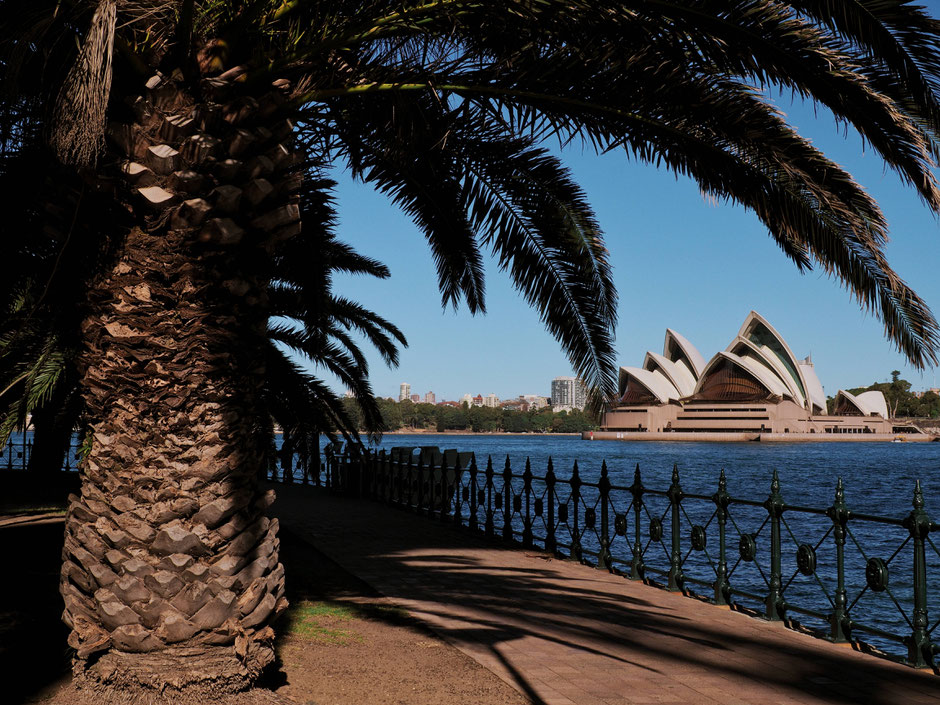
(754, 390)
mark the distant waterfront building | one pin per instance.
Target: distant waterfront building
(477, 400)
(519, 404)
(535, 401)
(466, 399)
(491, 400)
(404, 392)
(568, 393)
(429, 398)
(416, 398)
(756, 385)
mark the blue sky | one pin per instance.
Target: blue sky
(708, 265)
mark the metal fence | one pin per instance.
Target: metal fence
(852, 577)
(847, 576)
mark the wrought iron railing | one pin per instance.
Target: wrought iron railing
(848, 576)
(17, 451)
(853, 577)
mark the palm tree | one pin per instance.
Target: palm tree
(199, 120)
(38, 343)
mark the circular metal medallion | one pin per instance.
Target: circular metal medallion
(590, 516)
(876, 574)
(481, 497)
(620, 524)
(656, 529)
(517, 503)
(747, 547)
(698, 537)
(806, 559)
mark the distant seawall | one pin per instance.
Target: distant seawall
(753, 437)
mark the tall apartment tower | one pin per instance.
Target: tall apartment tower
(568, 392)
(429, 398)
(404, 392)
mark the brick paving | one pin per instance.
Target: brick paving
(566, 634)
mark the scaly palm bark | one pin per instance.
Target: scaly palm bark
(171, 574)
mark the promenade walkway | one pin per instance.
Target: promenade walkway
(566, 634)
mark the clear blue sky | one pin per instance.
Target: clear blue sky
(708, 265)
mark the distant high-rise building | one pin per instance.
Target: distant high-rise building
(568, 393)
(466, 399)
(416, 398)
(429, 398)
(491, 400)
(404, 392)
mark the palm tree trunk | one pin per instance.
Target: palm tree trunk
(171, 572)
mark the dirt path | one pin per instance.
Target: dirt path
(341, 643)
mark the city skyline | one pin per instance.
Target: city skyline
(677, 259)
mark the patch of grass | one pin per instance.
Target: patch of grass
(25, 509)
(319, 622)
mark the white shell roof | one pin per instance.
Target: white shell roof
(867, 403)
(770, 381)
(755, 317)
(875, 402)
(655, 382)
(814, 387)
(690, 351)
(770, 360)
(678, 375)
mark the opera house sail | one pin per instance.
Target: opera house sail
(755, 389)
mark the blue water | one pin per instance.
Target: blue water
(879, 477)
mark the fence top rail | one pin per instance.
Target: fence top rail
(499, 471)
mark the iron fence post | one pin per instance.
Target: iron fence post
(446, 489)
(413, 486)
(722, 499)
(527, 521)
(551, 545)
(839, 624)
(489, 527)
(386, 470)
(674, 493)
(775, 604)
(604, 558)
(472, 519)
(507, 497)
(919, 649)
(636, 490)
(576, 551)
(10, 454)
(458, 494)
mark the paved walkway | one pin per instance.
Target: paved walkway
(565, 634)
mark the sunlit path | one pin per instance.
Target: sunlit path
(563, 633)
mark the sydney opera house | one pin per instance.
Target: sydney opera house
(754, 389)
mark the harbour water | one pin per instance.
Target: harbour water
(879, 477)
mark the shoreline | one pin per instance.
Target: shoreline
(426, 432)
(756, 437)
